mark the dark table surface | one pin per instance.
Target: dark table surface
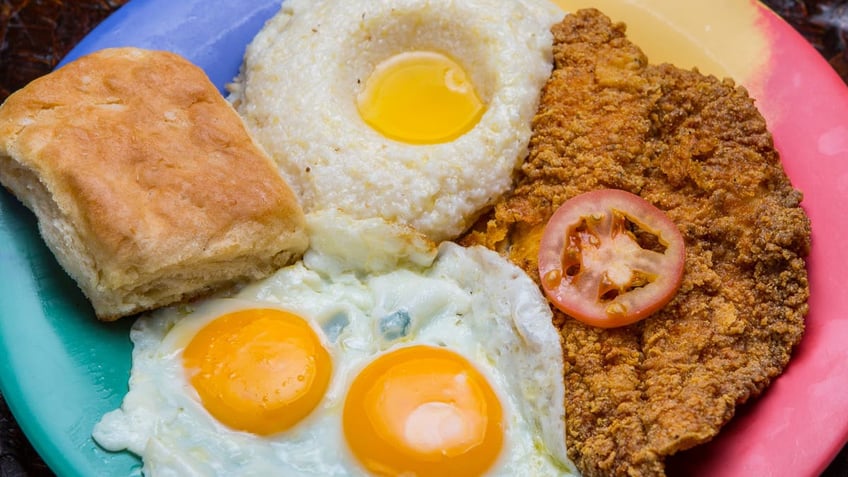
(36, 34)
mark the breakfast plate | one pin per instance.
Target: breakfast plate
(60, 369)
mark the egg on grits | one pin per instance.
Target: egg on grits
(397, 358)
(414, 111)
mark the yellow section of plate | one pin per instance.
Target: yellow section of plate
(691, 33)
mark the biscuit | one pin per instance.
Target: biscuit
(146, 185)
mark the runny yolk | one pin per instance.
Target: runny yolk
(423, 411)
(258, 370)
(420, 97)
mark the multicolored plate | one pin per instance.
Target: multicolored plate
(60, 369)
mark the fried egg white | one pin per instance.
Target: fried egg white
(388, 308)
(417, 111)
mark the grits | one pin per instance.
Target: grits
(298, 89)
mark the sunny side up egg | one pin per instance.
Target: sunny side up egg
(417, 111)
(378, 354)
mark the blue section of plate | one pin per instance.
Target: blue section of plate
(61, 369)
(212, 34)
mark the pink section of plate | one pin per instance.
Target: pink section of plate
(801, 421)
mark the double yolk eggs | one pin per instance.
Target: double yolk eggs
(421, 409)
(393, 357)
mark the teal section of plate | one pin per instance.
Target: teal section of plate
(60, 368)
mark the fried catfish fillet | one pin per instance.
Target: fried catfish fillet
(697, 148)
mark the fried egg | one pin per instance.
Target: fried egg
(417, 111)
(378, 354)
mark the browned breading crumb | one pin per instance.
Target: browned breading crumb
(696, 147)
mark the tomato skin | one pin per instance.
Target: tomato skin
(594, 268)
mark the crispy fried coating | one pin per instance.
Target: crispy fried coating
(697, 148)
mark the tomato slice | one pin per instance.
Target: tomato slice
(610, 258)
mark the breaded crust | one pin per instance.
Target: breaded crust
(145, 182)
(697, 148)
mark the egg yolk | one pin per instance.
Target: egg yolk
(258, 370)
(423, 411)
(420, 97)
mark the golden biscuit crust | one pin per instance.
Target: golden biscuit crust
(146, 184)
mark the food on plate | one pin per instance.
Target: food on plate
(147, 187)
(415, 111)
(411, 360)
(696, 148)
(609, 258)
